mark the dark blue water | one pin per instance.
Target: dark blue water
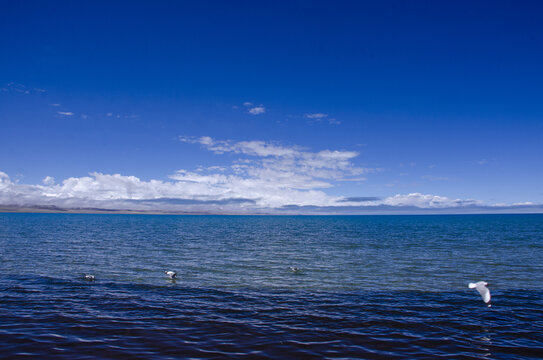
(382, 287)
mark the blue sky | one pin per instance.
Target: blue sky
(273, 107)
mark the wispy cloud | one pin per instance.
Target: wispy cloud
(315, 162)
(436, 178)
(22, 89)
(316, 116)
(48, 180)
(255, 148)
(428, 201)
(320, 117)
(257, 110)
(17, 88)
(65, 113)
(252, 109)
(273, 173)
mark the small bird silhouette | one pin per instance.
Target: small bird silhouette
(294, 269)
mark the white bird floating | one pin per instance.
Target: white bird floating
(481, 287)
(294, 269)
(171, 274)
(89, 277)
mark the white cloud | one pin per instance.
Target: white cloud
(257, 110)
(4, 180)
(65, 113)
(254, 189)
(320, 117)
(316, 116)
(118, 191)
(252, 108)
(275, 175)
(254, 148)
(428, 201)
(48, 180)
(265, 177)
(482, 162)
(323, 162)
(526, 203)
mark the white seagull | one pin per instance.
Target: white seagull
(171, 274)
(294, 269)
(481, 287)
(89, 277)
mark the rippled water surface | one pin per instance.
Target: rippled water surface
(372, 287)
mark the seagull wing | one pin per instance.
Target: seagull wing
(485, 293)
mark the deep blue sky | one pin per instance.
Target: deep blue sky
(441, 98)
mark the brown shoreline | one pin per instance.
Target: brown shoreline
(55, 210)
(58, 210)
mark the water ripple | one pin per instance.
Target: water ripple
(125, 320)
(372, 288)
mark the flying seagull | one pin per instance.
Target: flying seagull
(481, 287)
(171, 274)
(89, 277)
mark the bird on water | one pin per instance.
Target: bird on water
(481, 287)
(171, 274)
(89, 277)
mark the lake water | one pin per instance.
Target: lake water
(370, 287)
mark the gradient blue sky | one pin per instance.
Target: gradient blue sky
(272, 106)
